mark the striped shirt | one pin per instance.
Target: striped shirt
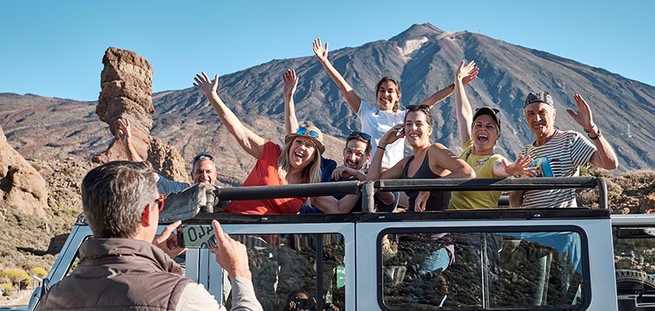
(566, 151)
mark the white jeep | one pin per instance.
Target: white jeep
(486, 259)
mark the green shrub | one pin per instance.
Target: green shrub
(15, 275)
(39, 272)
(7, 289)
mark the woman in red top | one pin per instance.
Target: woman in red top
(297, 162)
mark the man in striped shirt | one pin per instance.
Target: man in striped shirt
(557, 153)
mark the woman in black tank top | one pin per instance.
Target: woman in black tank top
(428, 161)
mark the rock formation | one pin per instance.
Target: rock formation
(21, 186)
(126, 93)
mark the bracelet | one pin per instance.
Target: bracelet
(592, 129)
(382, 147)
(594, 137)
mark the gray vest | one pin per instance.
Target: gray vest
(118, 274)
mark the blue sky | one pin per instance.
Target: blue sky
(54, 48)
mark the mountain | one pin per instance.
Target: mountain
(422, 57)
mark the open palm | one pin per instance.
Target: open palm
(208, 87)
(290, 83)
(320, 50)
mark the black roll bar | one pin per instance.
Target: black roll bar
(289, 191)
(486, 184)
(367, 189)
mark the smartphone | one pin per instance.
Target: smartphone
(196, 236)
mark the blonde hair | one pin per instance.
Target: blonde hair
(312, 172)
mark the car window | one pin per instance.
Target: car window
(304, 269)
(424, 269)
(634, 263)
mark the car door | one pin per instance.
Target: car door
(289, 257)
(634, 260)
(486, 260)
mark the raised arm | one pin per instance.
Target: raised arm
(463, 110)
(442, 94)
(124, 134)
(290, 84)
(347, 91)
(440, 156)
(604, 156)
(375, 170)
(249, 141)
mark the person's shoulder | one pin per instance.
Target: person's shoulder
(271, 148)
(437, 146)
(568, 134)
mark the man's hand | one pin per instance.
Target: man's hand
(230, 254)
(167, 240)
(290, 84)
(320, 50)
(583, 116)
(341, 172)
(467, 72)
(208, 87)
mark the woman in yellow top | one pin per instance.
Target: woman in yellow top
(479, 132)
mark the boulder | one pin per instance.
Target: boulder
(126, 93)
(21, 186)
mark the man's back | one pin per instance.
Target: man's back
(118, 274)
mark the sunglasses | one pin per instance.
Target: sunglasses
(161, 200)
(360, 135)
(203, 156)
(303, 131)
(493, 109)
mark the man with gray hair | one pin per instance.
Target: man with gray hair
(557, 153)
(203, 167)
(126, 266)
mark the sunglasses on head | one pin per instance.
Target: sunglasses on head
(303, 131)
(203, 156)
(424, 108)
(360, 135)
(493, 109)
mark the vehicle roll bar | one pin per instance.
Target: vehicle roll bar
(367, 189)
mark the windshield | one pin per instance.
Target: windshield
(424, 269)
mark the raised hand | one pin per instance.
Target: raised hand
(520, 167)
(392, 135)
(467, 72)
(320, 50)
(290, 83)
(583, 116)
(208, 87)
(123, 130)
(230, 254)
(168, 242)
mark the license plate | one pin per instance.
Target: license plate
(198, 236)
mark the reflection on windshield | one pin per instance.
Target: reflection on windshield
(303, 270)
(424, 270)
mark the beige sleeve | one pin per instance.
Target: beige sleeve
(195, 297)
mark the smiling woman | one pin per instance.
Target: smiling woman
(297, 162)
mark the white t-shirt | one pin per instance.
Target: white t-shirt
(375, 123)
(566, 151)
